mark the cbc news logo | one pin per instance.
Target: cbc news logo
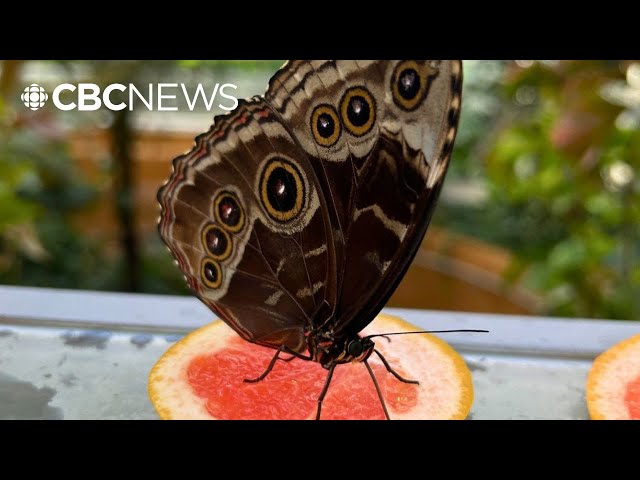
(161, 97)
(34, 96)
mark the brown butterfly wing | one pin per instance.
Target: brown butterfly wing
(364, 147)
(254, 252)
(381, 178)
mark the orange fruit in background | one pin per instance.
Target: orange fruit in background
(613, 385)
(201, 377)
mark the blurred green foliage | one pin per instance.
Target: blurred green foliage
(559, 158)
(39, 187)
(554, 148)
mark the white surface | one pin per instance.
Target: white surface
(73, 355)
(508, 333)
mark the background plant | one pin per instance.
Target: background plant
(545, 165)
(559, 158)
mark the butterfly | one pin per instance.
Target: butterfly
(295, 216)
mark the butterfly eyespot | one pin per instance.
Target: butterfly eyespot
(211, 273)
(358, 111)
(325, 125)
(228, 212)
(410, 83)
(282, 189)
(217, 242)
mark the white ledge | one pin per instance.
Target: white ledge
(573, 338)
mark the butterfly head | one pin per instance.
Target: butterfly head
(359, 349)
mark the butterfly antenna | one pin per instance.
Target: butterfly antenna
(425, 331)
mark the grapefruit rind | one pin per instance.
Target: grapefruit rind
(446, 388)
(611, 374)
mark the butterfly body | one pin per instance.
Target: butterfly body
(327, 349)
(295, 216)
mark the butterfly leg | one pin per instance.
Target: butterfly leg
(269, 368)
(393, 372)
(295, 354)
(325, 389)
(375, 383)
(275, 358)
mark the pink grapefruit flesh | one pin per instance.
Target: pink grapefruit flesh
(613, 385)
(202, 377)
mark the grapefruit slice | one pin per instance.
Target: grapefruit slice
(201, 377)
(613, 385)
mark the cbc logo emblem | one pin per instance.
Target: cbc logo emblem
(90, 97)
(34, 96)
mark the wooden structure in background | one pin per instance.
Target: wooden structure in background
(455, 272)
(450, 272)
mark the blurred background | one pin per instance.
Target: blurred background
(540, 213)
